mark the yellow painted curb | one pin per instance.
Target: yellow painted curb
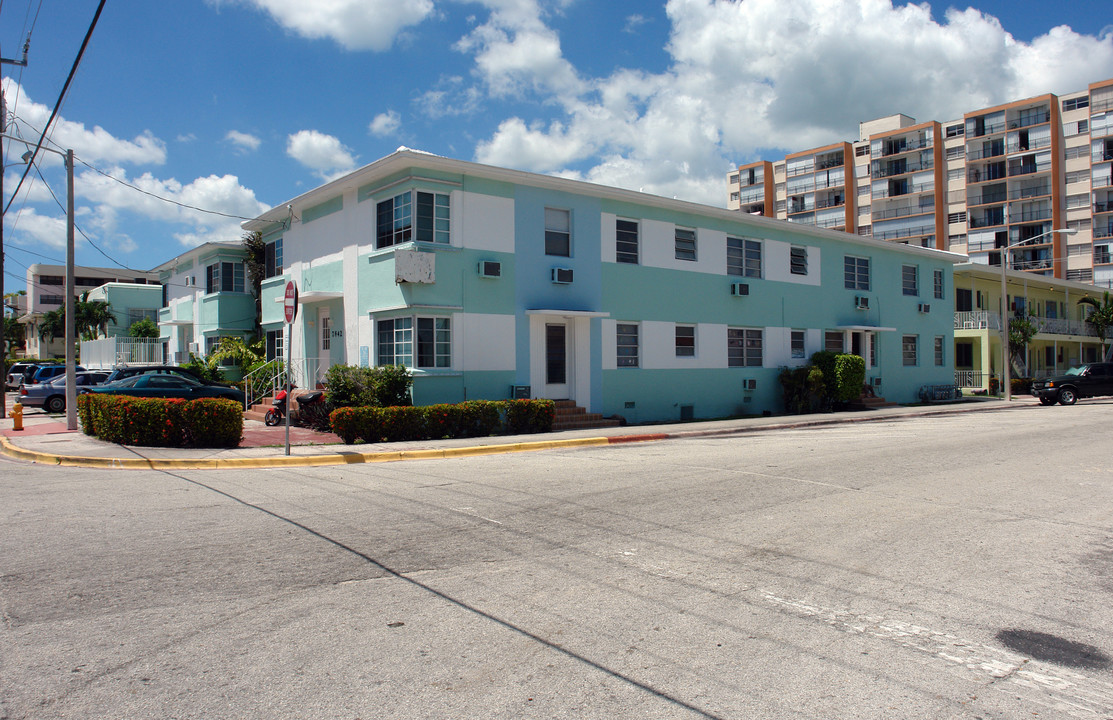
(344, 458)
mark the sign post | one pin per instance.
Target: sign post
(290, 306)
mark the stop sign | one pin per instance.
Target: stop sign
(291, 303)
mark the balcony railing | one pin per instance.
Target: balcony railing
(1101, 207)
(1101, 156)
(987, 198)
(909, 190)
(888, 149)
(901, 212)
(992, 172)
(977, 320)
(1101, 105)
(984, 222)
(830, 202)
(988, 130)
(1027, 169)
(1036, 264)
(1029, 216)
(828, 164)
(901, 169)
(990, 153)
(1101, 233)
(903, 232)
(1029, 120)
(1024, 193)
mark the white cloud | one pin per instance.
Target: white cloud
(354, 24)
(96, 145)
(244, 142)
(32, 229)
(385, 124)
(515, 52)
(633, 22)
(321, 153)
(750, 77)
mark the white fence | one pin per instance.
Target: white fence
(110, 352)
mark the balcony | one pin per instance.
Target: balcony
(830, 202)
(1032, 192)
(1101, 233)
(1038, 118)
(993, 220)
(1017, 147)
(987, 198)
(977, 320)
(988, 130)
(902, 146)
(1029, 216)
(1101, 106)
(1102, 156)
(902, 212)
(986, 174)
(1103, 207)
(828, 163)
(1027, 169)
(982, 154)
(901, 168)
(903, 232)
(904, 190)
(1034, 264)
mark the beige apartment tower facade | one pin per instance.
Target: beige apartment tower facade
(994, 178)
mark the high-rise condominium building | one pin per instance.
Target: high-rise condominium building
(994, 178)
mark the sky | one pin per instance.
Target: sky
(187, 115)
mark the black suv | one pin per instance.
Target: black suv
(1088, 380)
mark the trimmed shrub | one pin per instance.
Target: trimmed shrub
(474, 418)
(850, 372)
(157, 422)
(825, 361)
(803, 389)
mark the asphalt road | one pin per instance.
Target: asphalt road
(953, 567)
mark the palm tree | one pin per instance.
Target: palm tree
(53, 324)
(1101, 317)
(91, 318)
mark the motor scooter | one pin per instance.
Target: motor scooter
(277, 412)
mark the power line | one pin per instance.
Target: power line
(58, 104)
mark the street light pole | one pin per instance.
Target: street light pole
(71, 379)
(1006, 371)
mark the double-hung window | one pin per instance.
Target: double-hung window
(910, 353)
(626, 344)
(685, 340)
(558, 232)
(433, 347)
(412, 215)
(910, 279)
(744, 257)
(685, 244)
(856, 272)
(797, 341)
(626, 241)
(744, 347)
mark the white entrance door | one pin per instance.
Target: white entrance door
(324, 330)
(558, 365)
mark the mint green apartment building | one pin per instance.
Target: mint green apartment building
(494, 283)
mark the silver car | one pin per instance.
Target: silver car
(51, 395)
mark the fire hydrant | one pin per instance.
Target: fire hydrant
(17, 417)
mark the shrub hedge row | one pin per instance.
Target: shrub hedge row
(474, 418)
(157, 422)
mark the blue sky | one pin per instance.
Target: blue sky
(235, 106)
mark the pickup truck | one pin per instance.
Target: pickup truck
(1088, 380)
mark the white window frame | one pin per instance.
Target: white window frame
(682, 346)
(685, 244)
(910, 280)
(558, 232)
(626, 238)
(856, 272)
(910, 350)
(745, 347)
(627, 337)
(798, 344)
(744, 257)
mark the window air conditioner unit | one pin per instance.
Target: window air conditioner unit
(924, 308)
(749, 384)
(877, 382)
(861, 302)
(195, 348)
(490, 269)
(562, 276)
(739, 289)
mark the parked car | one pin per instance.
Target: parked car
(47, 372)
(15, 374)
(51, 395)
(132, 370)
(164, 385)
(1090, 380)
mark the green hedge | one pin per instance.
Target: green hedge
(157, 422)
(475, 418)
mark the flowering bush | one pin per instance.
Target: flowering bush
(157, 422)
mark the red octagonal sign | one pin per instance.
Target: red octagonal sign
(291, 303)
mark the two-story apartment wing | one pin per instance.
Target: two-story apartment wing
(490, 282)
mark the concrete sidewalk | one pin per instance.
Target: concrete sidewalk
(45, 439)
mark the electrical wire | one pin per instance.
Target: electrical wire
(58, 104)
